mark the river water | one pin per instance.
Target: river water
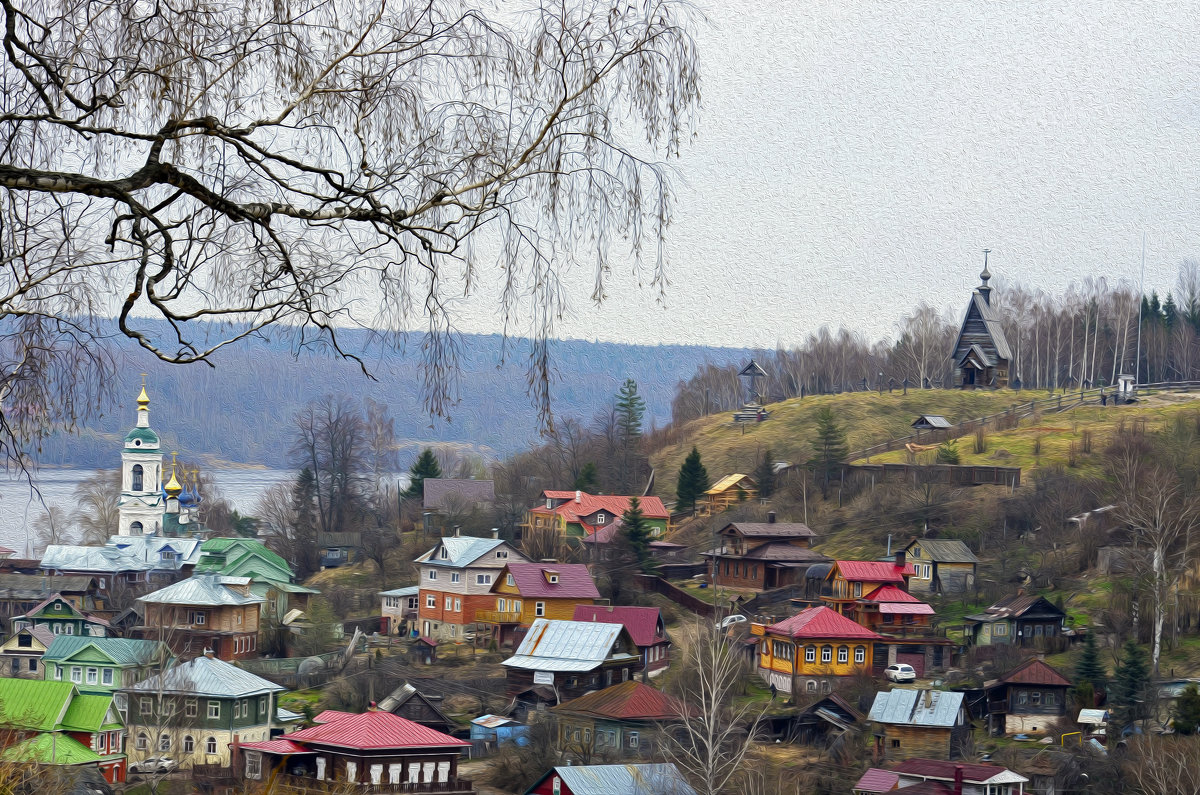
(20, 507)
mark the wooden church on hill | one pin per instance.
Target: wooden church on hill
(981, 356)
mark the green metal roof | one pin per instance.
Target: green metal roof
(118, 651)
(33, 703)
(52, 748)
(148, 437)
(87, 713)
(233, 556)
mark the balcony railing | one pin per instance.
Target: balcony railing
(454, 786)
(497, 617)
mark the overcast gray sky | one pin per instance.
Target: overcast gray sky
(853, 158)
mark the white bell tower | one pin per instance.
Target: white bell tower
(141, 504)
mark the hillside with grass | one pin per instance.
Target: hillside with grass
(869, 418)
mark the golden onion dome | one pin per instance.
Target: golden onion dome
(143, 399)
(173, 487)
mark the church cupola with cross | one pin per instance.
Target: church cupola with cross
(981, 355)
(141, 503)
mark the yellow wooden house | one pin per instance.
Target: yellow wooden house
(526, 592)
(730, 490)
(807, 652)
(851, 580)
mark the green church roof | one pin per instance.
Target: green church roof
(147, 437)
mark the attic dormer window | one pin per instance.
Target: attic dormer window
(549, 504)
(601, 518)
(509, 580)
(552, 577)
(442, 554)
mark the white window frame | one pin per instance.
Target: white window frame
(145, 706)
(810, 654)
(458, 605)
(826, 654)
(432, 574)
(92, 675)
(454, 576)
(539, 609)
(860, 655)
(449, 602)
(106, 676)
(142, 743)
(483, 579)
(210, 746)
(214, 707)
(191, 708)
(431, 601)
(189, 744)
(843, 655)
(77, 674)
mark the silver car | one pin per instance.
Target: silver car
(900, 672)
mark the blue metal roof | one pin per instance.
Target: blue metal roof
(662, 779)
(935, 708)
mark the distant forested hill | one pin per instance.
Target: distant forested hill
(241, 410)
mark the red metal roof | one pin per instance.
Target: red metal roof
(630, 700)
(937, 768)
(877, 780)
(821, 623)
(1035, 672)
(903, 609)
(280, 746)
(641, 622)
(330, 715)
(890, 593)
(532, 579)
(588, 504)
(873, 571)
(375, 731)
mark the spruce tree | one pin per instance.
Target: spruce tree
(764, 474)
(1187, 711)
(831, 449)
(1128, 698)
(637, 534)
(587, 478)
(693, 481)
(426, 466)
(629, 409)
(1090, 668)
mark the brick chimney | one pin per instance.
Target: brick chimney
(578, 497)
(770, 517)
(958, 780)
(901, 558)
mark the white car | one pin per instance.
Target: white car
(729, 621)
(154, 764)
(900, 673)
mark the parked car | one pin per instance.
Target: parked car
(729, 621)
(900, 672)
(154, 764)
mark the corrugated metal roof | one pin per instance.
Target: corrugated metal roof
(629, 700)
(150, 548)
(375, 731)
(51, 749)
(729, 481)
(972, 773)
(820, 623)
(411, 590)
(552, 645)
(890, 593)
(281, 746)
(208, 676)
(462, 551)
(902, 706)
(873, 570)
(943, 550)
(35, 586)
(903, 609)
(203, 589)
(770, 529)
(494, 721)
(101, 560)
(642, 623)
(122, 651)
(87, 713)
(877, 780)
(1035, 672)
(531, 580)
(932, 420)
(662, 779)
(34, 703)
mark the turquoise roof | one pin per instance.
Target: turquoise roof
(147, 436)
(121, 651)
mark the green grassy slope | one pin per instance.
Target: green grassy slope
(868, 417)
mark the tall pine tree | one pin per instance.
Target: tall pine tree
(1128, 699)
(1090, 668)
(637, 534)
(693, 481)
(830, 449)
(587, 478)
(764, 474)
(629, 409)
(426, 466)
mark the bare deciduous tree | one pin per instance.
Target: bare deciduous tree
(710, 744)
(96, 513)
(307, 166)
